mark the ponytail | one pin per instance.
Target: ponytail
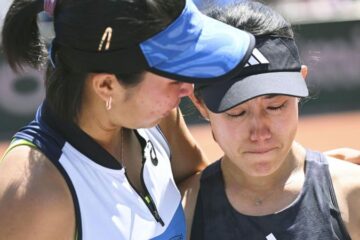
(20, 35)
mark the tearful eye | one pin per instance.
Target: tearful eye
(277, 107)
(236, 114)
(175, 83)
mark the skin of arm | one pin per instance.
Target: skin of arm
(346, 183)
(347, 154)
(186, 156)
(189, 191)
(35, 203)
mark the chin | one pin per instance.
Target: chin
(262, 169)
(151, 124)
(260, 166)
(266, 167)
(143, 124)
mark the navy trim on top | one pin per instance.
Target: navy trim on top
(167, 142)
(47, 140)
(80, 140)
(78, 229)
(142, 142)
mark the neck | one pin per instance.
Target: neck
(264, 195)
(101, 130)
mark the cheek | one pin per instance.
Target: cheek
(286, 126)
(227, 134)
(293, 127)
(154, 100)
(165, 96)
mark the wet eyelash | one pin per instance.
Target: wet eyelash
(236, 115)
(277, 108)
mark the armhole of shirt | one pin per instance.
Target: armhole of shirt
(341, 231)
(76, 237)
(165, 140)
(16, 143)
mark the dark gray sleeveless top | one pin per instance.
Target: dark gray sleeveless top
(314, 215)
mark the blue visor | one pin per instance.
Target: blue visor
(193, 48)
(197, 48)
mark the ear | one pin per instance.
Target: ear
(200, 106)
(104, 84)
(304, 71)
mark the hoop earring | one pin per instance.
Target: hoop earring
(108, 104)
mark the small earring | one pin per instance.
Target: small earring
(108, 103)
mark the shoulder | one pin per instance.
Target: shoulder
(34, 197)
(345, 174)
(346, 181)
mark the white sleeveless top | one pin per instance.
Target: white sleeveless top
(107, 206)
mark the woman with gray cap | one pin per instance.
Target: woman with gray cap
(266, 186)
(95, 162)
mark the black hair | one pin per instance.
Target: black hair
(251, 16)
(64, 84)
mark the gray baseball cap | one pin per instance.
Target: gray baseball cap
(273, 68)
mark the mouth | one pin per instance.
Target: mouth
(261, 150)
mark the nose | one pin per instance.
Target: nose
(186, 89)
(259, 129)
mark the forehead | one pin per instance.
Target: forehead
(264, 99)
(269, 97)
(272, 96)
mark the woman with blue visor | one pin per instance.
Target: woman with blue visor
(98, 161)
